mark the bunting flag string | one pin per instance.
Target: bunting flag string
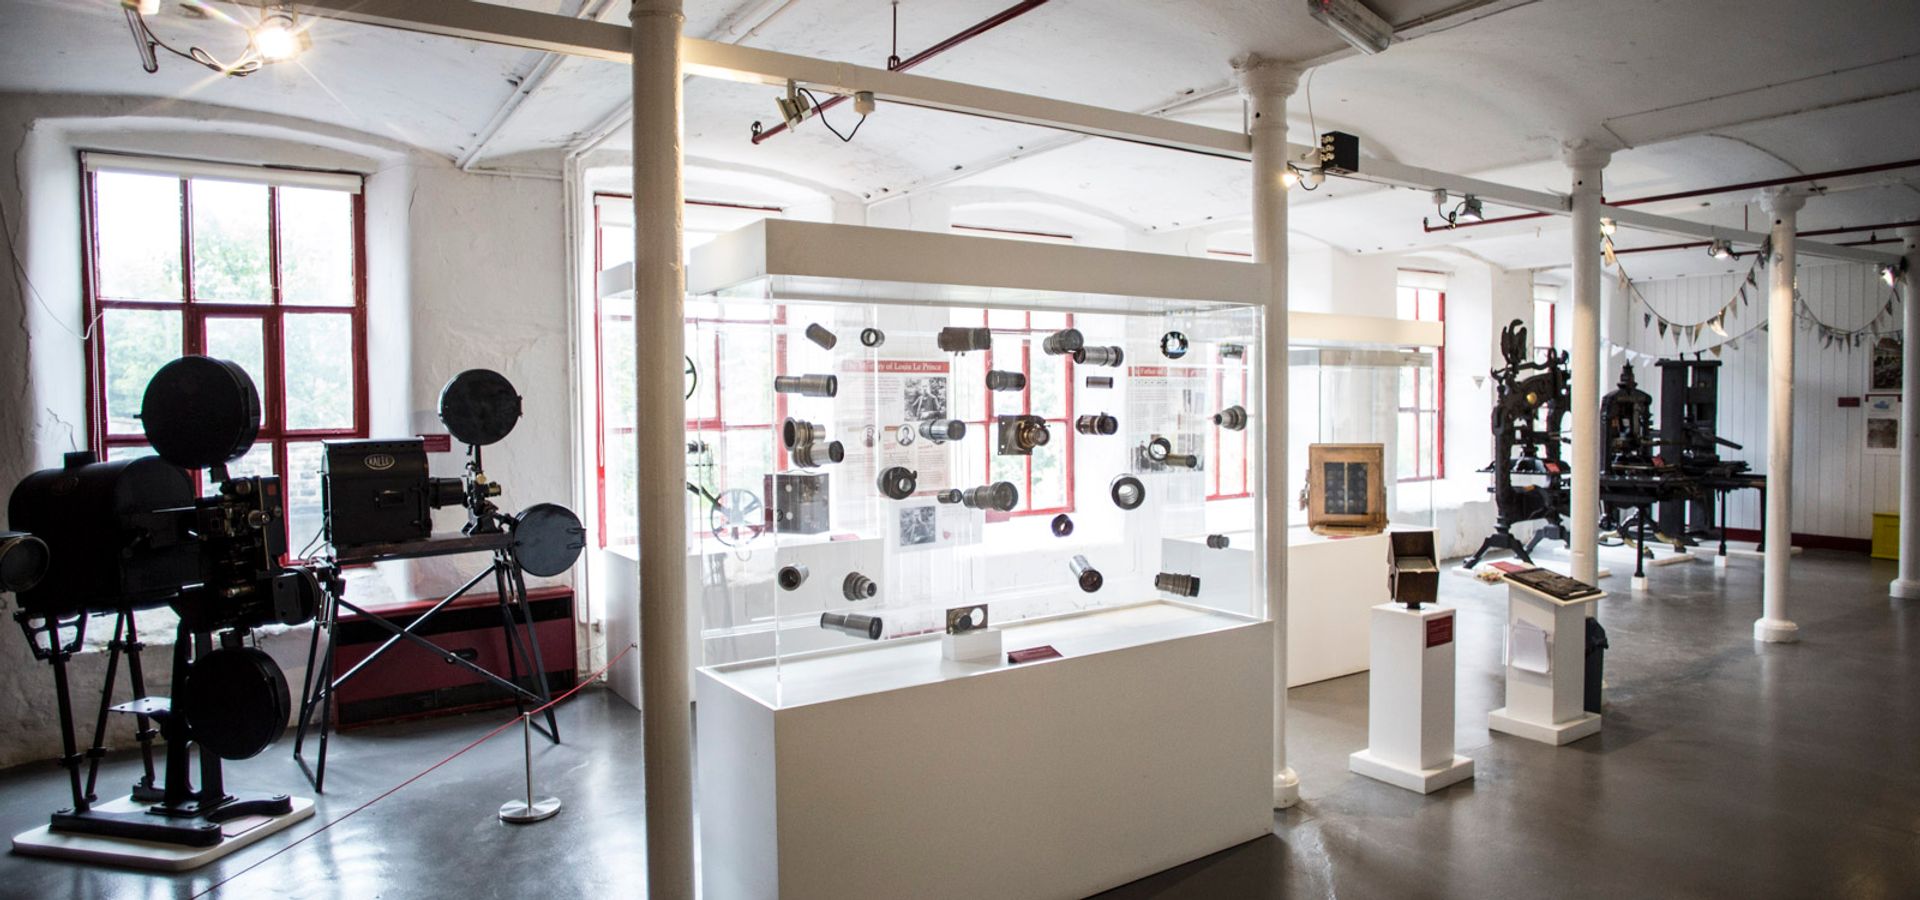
(1717, 322)
(1884, 322)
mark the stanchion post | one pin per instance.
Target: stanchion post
(520, 812)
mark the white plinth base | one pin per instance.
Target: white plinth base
(1775, 631)
(153, 855)
(1556, 734)
(1420, 781)
(1901, 589)
(981, 645)
(1639, 584)
(1736, 549)
(1720, 560)
(1286, 789)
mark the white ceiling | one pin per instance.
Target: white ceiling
(1693, 93)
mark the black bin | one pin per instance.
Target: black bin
(1596, 663)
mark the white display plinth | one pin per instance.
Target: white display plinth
(1547, 707)
(1410, 701)
(154, 855)
(890, 772)
(1331, 584)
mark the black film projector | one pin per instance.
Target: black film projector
(379, 502)
(130, 535)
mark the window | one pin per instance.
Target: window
(743, 388)
(262, 266)
(1045, 479)
(1227, 469)
(1422, 445)
(1544, 298)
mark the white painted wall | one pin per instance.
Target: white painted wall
(481, 255)
(1840, 487)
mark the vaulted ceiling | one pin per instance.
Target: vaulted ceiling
(1692, 94)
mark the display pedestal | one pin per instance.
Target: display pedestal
(890, 772)
(153, 855)
(1410, 701)
(1546, 706)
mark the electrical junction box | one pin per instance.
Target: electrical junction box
(1339, 153)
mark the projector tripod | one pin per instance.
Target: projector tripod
(523, 644)
(177, 813)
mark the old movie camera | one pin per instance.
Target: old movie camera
(123, 536)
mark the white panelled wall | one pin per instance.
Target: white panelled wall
(1839, 487)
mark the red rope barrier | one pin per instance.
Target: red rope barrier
(423, 773)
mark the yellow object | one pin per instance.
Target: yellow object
(1886, 535)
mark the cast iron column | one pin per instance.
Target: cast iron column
(1907, 586)
(659, 297)
(1266, 84)
(1773, 624)
(1586, 162)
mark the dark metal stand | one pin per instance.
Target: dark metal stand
(523, 644)
(181, 815)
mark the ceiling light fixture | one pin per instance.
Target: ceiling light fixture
(1470, 209)
(1890, 274)
(1607, 226)
(1720, 248)
(1354, 23)
(277, 36)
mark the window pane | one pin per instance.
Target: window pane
(616, 247)
(746, 387)
(1404, 303)
(138, 226)
(240, 340)
(1233, 463)
(301, 483)
(138, 343)
(1049, 474)
(257, 461)
(124, 452)
(1048, 386)
(1406, 455)
(230, 257)
(319, 372)
(1006, 318)
(316, 247)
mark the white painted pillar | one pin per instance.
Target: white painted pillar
(1773, 624)
(1586, 162)
(1907, 586)
(1266, 84)
(659, 283)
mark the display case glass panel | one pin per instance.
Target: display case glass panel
(1360, 394)
(787, 527)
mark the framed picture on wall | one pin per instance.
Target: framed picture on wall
(1885, 373)
(1883, 425)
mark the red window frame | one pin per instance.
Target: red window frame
(195, 313)
(1222, 435)
(1063, 425)
(1437, 296)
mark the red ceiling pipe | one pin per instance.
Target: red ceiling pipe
(973, 31)
(1020, 232)
(728, 204)
(1702, 192)
(1690, 245)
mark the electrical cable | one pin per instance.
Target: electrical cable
(423, 773)
(822, 116)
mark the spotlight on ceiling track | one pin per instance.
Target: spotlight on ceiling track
(1607, 226)
(1890, 274)
(1470, 209)
(794, 107)
(1354, 23)
(1720, 249)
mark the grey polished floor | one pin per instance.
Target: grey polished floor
(1725, 769)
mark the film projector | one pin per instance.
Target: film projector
(379, 500)
(121, 537)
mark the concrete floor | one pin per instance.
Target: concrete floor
(1726, 768)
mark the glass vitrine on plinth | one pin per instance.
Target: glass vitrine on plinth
(906, 447)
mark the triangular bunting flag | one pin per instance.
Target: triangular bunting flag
(1717, 326)
(1663, 328)
(1646, 319)
(1716, 351)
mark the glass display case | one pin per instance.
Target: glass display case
(865, 455)
(1369, 394)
